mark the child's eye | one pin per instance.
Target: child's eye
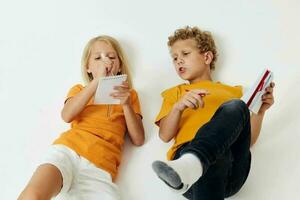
(175, 58)
(97, 58)
(185, 53)
(112, 57)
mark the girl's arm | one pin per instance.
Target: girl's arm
(133, 121)
(257, 119)
(74, 105)
(134, 125)
(169, 124)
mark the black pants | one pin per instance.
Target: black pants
(223, 146)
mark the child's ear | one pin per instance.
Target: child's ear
(208, 57)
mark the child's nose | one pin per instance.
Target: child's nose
(180, 61)
(107, 60)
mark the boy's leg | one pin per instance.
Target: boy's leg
(211, 186)
(230, 124)
(214, 138)
(241, 163)
(45, 183)
(226, 177)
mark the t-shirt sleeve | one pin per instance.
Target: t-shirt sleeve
(136, 103)
(170, 97)
(73, 91)
(239, 91)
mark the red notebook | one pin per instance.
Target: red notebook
(252, 97)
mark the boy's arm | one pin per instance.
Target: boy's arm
(256, 122)
(257, 119)
(168, 126)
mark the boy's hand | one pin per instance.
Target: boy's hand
(122, 93)
(192, 99)
(267, 99)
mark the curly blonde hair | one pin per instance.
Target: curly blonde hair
(204, 39)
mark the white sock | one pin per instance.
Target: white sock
(188, 167)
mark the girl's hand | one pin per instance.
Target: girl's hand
(192, 99)
(104, 68)
(123, 93)
(267, 99)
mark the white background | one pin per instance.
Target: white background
(41, 43)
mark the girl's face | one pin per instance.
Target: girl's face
(189, 63)
(103, 55)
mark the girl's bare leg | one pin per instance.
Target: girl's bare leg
(45, 183)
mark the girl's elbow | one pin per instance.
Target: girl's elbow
(65, 117)
(139, 142)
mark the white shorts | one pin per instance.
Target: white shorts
(82, 180)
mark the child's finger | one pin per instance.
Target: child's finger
(199, 99)
(268, 101)
(119, 94)
(125, 84)
(272, 84)
(188, 104)
(267, 96)
(269, 89)
(195, 96)
(121, 88)
(193, 101)
(200, 92)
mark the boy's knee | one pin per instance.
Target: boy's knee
(235, 105)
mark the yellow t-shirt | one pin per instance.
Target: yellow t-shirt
(191, 120)
(97, 133)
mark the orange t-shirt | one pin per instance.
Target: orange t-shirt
(97, 133)
(191, 120)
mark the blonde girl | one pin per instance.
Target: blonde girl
(82, 163)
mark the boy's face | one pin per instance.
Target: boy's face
(189, 63)
(102, 52)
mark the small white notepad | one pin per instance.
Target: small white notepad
(105, 88)
(253, 96)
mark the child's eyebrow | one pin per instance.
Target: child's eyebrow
(173, 54)
(108, 53)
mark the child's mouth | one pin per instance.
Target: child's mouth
(181, 70)
(108, 72)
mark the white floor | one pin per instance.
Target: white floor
(40, 49)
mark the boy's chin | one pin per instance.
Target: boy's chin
(185, 78)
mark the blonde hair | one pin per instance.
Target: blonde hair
(88, 77)
(204, 39)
